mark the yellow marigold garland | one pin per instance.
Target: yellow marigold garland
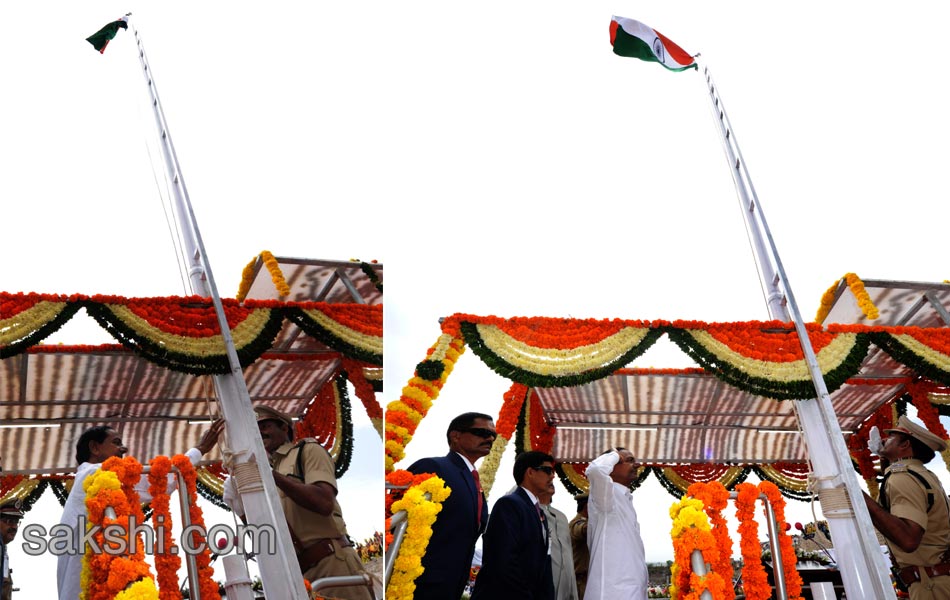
(421, 515)
(273, 267)
(715, 497)
(505, 427)
(106, 574)
(691, 532)
(860, 294)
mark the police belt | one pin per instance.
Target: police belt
(910, 575)
(310, 556)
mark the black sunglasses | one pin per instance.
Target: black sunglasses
(482, 432)
(545, 468)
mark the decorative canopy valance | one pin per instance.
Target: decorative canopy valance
(297, 356)
(572, 395)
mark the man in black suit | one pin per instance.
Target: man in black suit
(448, 559)
(516, 549)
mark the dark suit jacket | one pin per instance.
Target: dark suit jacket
(448, 558)
(515, 559)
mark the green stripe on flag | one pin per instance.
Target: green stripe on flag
(100, 39)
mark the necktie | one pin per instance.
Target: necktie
(481, 496)
(544, 524)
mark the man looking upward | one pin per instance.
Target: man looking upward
(618, 566)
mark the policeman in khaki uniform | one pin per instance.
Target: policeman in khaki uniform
(913, 513)
(10, 515)
(306, 484)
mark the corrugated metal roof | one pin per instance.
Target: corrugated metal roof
(692, 418)
(61, 394)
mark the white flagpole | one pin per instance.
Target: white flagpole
(864, 571)
(279, 570)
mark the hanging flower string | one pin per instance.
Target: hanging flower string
(167, 560)
(793, 580)
(250, 270)
(208, 587)
(404, 415)
(754, 580)
(539, 435)
(860, 295)
(920, 396)
(421, 512)
(505, 428)
(715, 497)
(355, 372)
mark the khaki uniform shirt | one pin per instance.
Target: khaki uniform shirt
(578, 527)
(908, 500)
(317, 466)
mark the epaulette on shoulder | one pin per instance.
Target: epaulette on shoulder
(898, 468)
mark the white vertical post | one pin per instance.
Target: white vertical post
(701, 568)
(280, 572)
(863, 570)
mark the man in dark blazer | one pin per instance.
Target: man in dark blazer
(516, 549)
(448, 559)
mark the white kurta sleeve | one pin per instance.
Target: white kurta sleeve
(601, 485)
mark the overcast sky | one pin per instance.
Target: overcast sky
(496, 157)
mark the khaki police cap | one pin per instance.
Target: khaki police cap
(266, 413)
(908, 427)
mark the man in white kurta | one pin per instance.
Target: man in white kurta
(69, 564)
(618, 566)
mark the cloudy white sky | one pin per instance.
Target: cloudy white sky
(496, 157)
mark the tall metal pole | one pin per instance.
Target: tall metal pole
(864, 571)
(280, 572)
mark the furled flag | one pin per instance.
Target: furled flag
(634, 39)
(100, 39)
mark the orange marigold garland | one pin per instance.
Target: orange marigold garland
(691, 533)
(715, 497)
(534, 432)
(404, 415)
(928, 413)
(121, 560)
(398, 482)
(207, 585)
(167, 560)
(365, 392)
(793, 580)
(755, 582)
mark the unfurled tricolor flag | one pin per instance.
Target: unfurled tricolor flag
(634, 39)
(100, 39)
